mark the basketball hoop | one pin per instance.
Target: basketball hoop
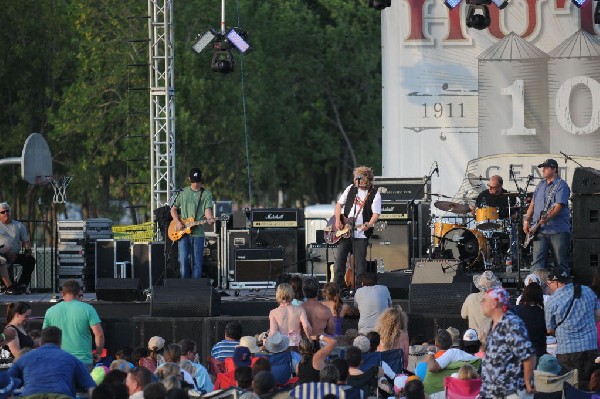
(60, 184)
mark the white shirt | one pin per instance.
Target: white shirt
(362, 194)
(454, 355)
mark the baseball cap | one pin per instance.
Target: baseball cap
(549, 162)
(561, 276)
(470, 335)
(195, 175)
(242, 356)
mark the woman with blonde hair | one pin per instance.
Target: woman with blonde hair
(331, 293)
(392, 327)
(287, 319)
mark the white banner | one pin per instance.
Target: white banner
(529, 84)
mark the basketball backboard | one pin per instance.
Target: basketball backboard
(35, 160)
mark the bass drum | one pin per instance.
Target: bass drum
(467, 245)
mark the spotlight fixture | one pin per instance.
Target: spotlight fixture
(222, 60)
(379, 4)
(203, 40)
(478, 20)
(238, 39)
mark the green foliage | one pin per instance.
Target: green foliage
(308, 101)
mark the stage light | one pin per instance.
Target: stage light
(238, 40)
(379, 4)
(222, 60)
(203, 40)
(452, 3)
(478, 14)
(578, 3)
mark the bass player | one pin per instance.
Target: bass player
(548, 220)
(361, 204)
(193, 202)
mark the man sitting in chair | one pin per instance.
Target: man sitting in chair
(13, 238)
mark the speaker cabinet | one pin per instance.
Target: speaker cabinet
(108, 253)
(210, 265)
(436, 282)
(586, 216)
(290, 240)
(585, 181)
(148, 260)
(119, 289)
(398, 283)
(259, 264)
(197, 299)
(392, 244)
(586, 259)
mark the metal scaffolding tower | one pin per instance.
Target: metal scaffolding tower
(162, 101)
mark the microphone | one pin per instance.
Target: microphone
(565, 155)
(437, 170)
(510, 170)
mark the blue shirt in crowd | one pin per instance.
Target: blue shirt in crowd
(49, 369)
(578, 332)
(224, 349)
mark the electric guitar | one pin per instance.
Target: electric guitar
(533, 230)
(189, 223)
(333, 235)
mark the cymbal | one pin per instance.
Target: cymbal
(438, 195)
(515, 195)
(453, 207)
(476, 180)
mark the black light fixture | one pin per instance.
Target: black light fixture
(379, 4)
(222, 60)
(478, 16)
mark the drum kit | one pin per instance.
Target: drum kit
(478, 237)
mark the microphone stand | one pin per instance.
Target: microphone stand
(518, 221)
(412, 209)
(570, 159)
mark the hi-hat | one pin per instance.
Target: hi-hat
(438, 195)
(453, 207)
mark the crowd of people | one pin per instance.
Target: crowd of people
(551, 330)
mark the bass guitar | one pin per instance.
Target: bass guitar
(533, 230)
(188, 224)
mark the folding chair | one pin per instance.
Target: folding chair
(570, 392)
(395, 359)
(550, 386)
(369, 360)
(281, 366)
(367, 382)
(461, 389)
(215, 367)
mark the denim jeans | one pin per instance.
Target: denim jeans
(558, 243)
(191, 251)
(360, 258)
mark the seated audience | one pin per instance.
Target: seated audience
(155, 390)
(470, 342)
(374, 340)
(137, 379)
(263, 384)
(392, 327)
(339, 309)
(327, 384)
(39, 372)
(414, 389)
(17, 314)
(189, 362)
(241, 357)
(313, 357)
(467, 372)
(225, 348)
(155, 358)
(172, 354)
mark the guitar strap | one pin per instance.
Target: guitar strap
(359, 210)
(199, 201)
(548, 198)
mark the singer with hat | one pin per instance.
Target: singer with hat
(361, 202)
(193, 202)
(548, 219)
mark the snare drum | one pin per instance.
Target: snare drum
(440, 229)
(486, 218)
(467, 245)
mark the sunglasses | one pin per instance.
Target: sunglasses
(3, 212)
(493, 186)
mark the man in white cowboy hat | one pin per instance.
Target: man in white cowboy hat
(471, 308)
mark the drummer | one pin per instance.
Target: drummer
(493, 197)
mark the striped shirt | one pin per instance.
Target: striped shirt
(224, 349)
(316, 390)
(578, 332)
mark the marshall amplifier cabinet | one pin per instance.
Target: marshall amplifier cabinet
(401, 189)
(394, 211)
(277, 217)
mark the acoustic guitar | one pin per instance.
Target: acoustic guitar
(189, 223)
